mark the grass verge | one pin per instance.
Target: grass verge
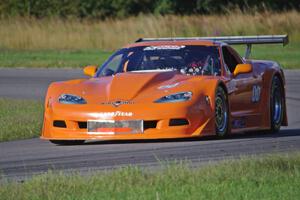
(54, 42)
(54, 33)
(272, 177)
(288, 57)
(51, 58)
(20, 119)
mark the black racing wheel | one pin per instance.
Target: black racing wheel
(221, 112)
(276, 104)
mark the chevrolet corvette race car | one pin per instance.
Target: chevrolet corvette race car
(170, 88)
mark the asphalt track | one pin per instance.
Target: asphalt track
(23, 158)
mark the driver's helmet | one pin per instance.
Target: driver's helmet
(199, 65)
(194, 65)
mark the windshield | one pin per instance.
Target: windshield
(189, 60)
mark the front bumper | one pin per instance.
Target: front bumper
(166, 120)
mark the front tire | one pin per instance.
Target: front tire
(221, 112)
(276, 104)
(67, 142)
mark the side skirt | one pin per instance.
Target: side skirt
(241, 122)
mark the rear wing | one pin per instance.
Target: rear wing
(232, 40)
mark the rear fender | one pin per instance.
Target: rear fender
(268, 77)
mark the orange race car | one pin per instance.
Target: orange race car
(170, 88)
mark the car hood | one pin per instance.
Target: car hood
(137, 86)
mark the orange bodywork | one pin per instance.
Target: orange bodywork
(192, 118)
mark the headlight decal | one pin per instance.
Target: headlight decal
(71, 99)
(163, 87)
(177, 97)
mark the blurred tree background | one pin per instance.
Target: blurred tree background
(101, 9)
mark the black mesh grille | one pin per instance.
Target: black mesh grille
(82, 125)
(59, 124)
(178, 122)
(150, 124)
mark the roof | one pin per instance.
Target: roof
(181, 42)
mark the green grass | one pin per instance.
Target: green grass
(20, 119)
(288, 56)
(51, 58)
(272, 177)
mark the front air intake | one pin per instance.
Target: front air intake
(59, 124)
(150, 124)
(82, 125)
(178, 122)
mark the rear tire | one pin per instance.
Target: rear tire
(67, 142)
(221, 112)
(276, 104)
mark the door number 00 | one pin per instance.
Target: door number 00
(256, 93)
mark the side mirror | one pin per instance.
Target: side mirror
(242, 69)
(90, 70)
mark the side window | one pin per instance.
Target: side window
(231, 58)
(115, 63)
(112, 66)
